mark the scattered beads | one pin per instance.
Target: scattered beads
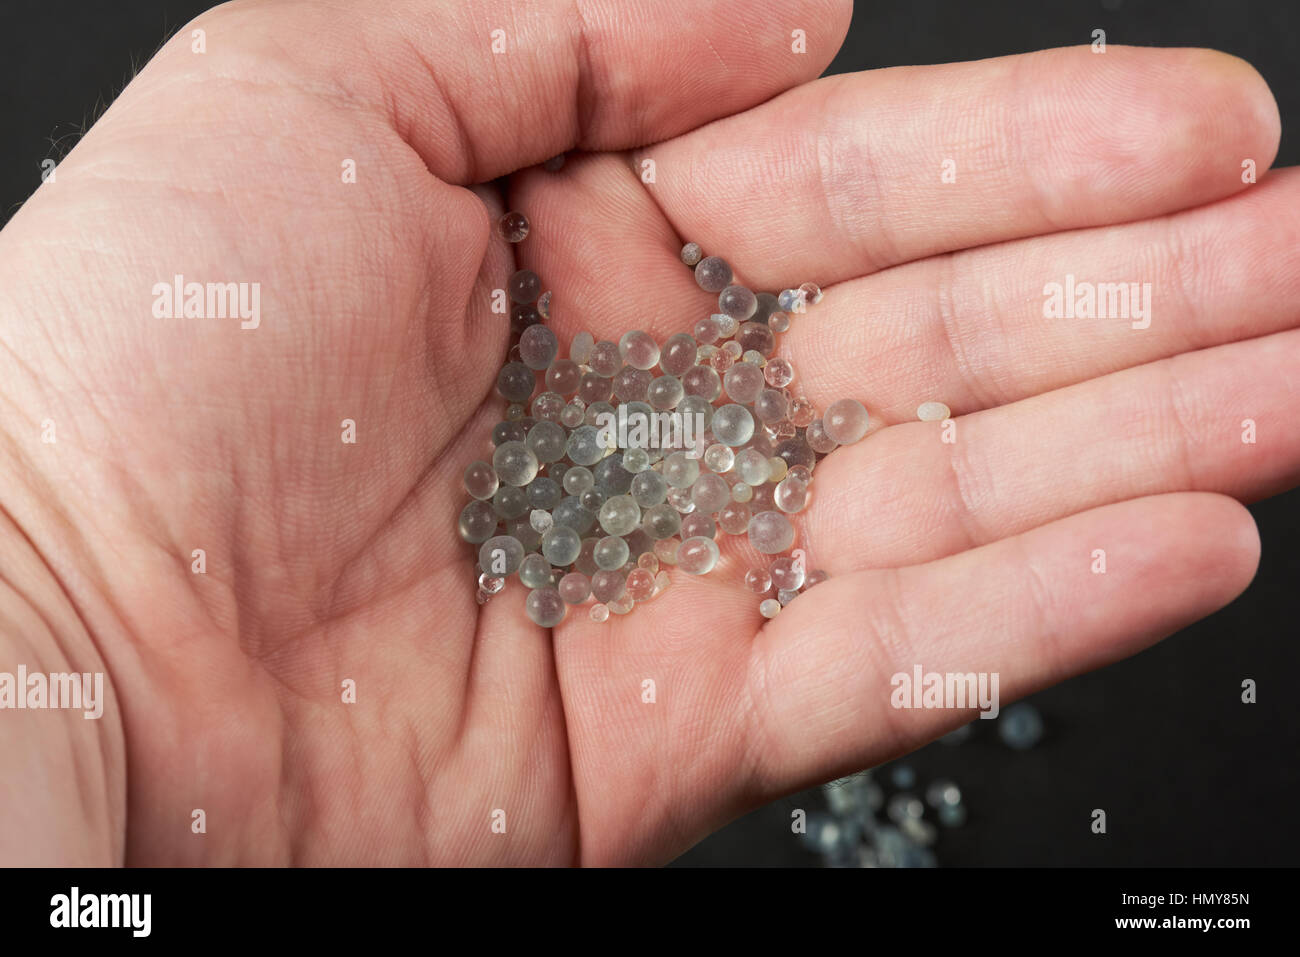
(640, 584)
(712, 273)
(791, 495)
(513, 227)
(787, 574)
(697, 556)
(580, 349)
(933, 412)
(639, 350)
(525, 286)
(480, 481)
(845, 421)
(817, 438)
(477, 522)
(770, 533)
(758, 581)
(778, 372)
(737, 302)
(586, 518)
(537, 346)
(574, 588)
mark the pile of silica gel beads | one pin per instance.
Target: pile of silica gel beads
(629, 456)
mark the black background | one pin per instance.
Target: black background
(1188, 774)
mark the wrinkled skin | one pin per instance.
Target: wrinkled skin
(327, 561)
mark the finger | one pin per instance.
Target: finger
(969, 329)
(1031, 609)
(480, 90)
(842, 177)
(1218, 420)
(606, 252)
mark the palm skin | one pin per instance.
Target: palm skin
(329, 562)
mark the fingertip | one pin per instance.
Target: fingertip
(1233, 557)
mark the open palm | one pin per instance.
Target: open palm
(329, 563)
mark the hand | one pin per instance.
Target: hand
(327, 561)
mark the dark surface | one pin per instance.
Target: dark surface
(1187, 774)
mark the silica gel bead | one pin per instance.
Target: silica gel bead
(501, 555)
(510, 502)
(770, 533)
(818, 440)
(535, 571)
(524, 286)
(692, 254)
(649, 489)
(605, 359)
(678, 354)
(737, 302)
(680, 470)
(639, 349)
(640, 584)
(477, 522)
(933, 412)
(537, 346)
(513, 227)
(611, 553)
(580, 350)
(563, 377)
(787, 574)
(515, 464)
(771, 406)
(743, 383)
(547, 441)
(607, 586)
(845, 421)
(480, 481)
(515, 382)
(752, 466)
(710, 493)
(661, 521)
(702, 381)
(574, 588)
(560, 545)
(545, 607)
(697, 556)
(584, 446)
(733, 425)
(698, 524)
(733, 518)
(619, 515)
(713, 274)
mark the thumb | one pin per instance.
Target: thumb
(482, 89)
